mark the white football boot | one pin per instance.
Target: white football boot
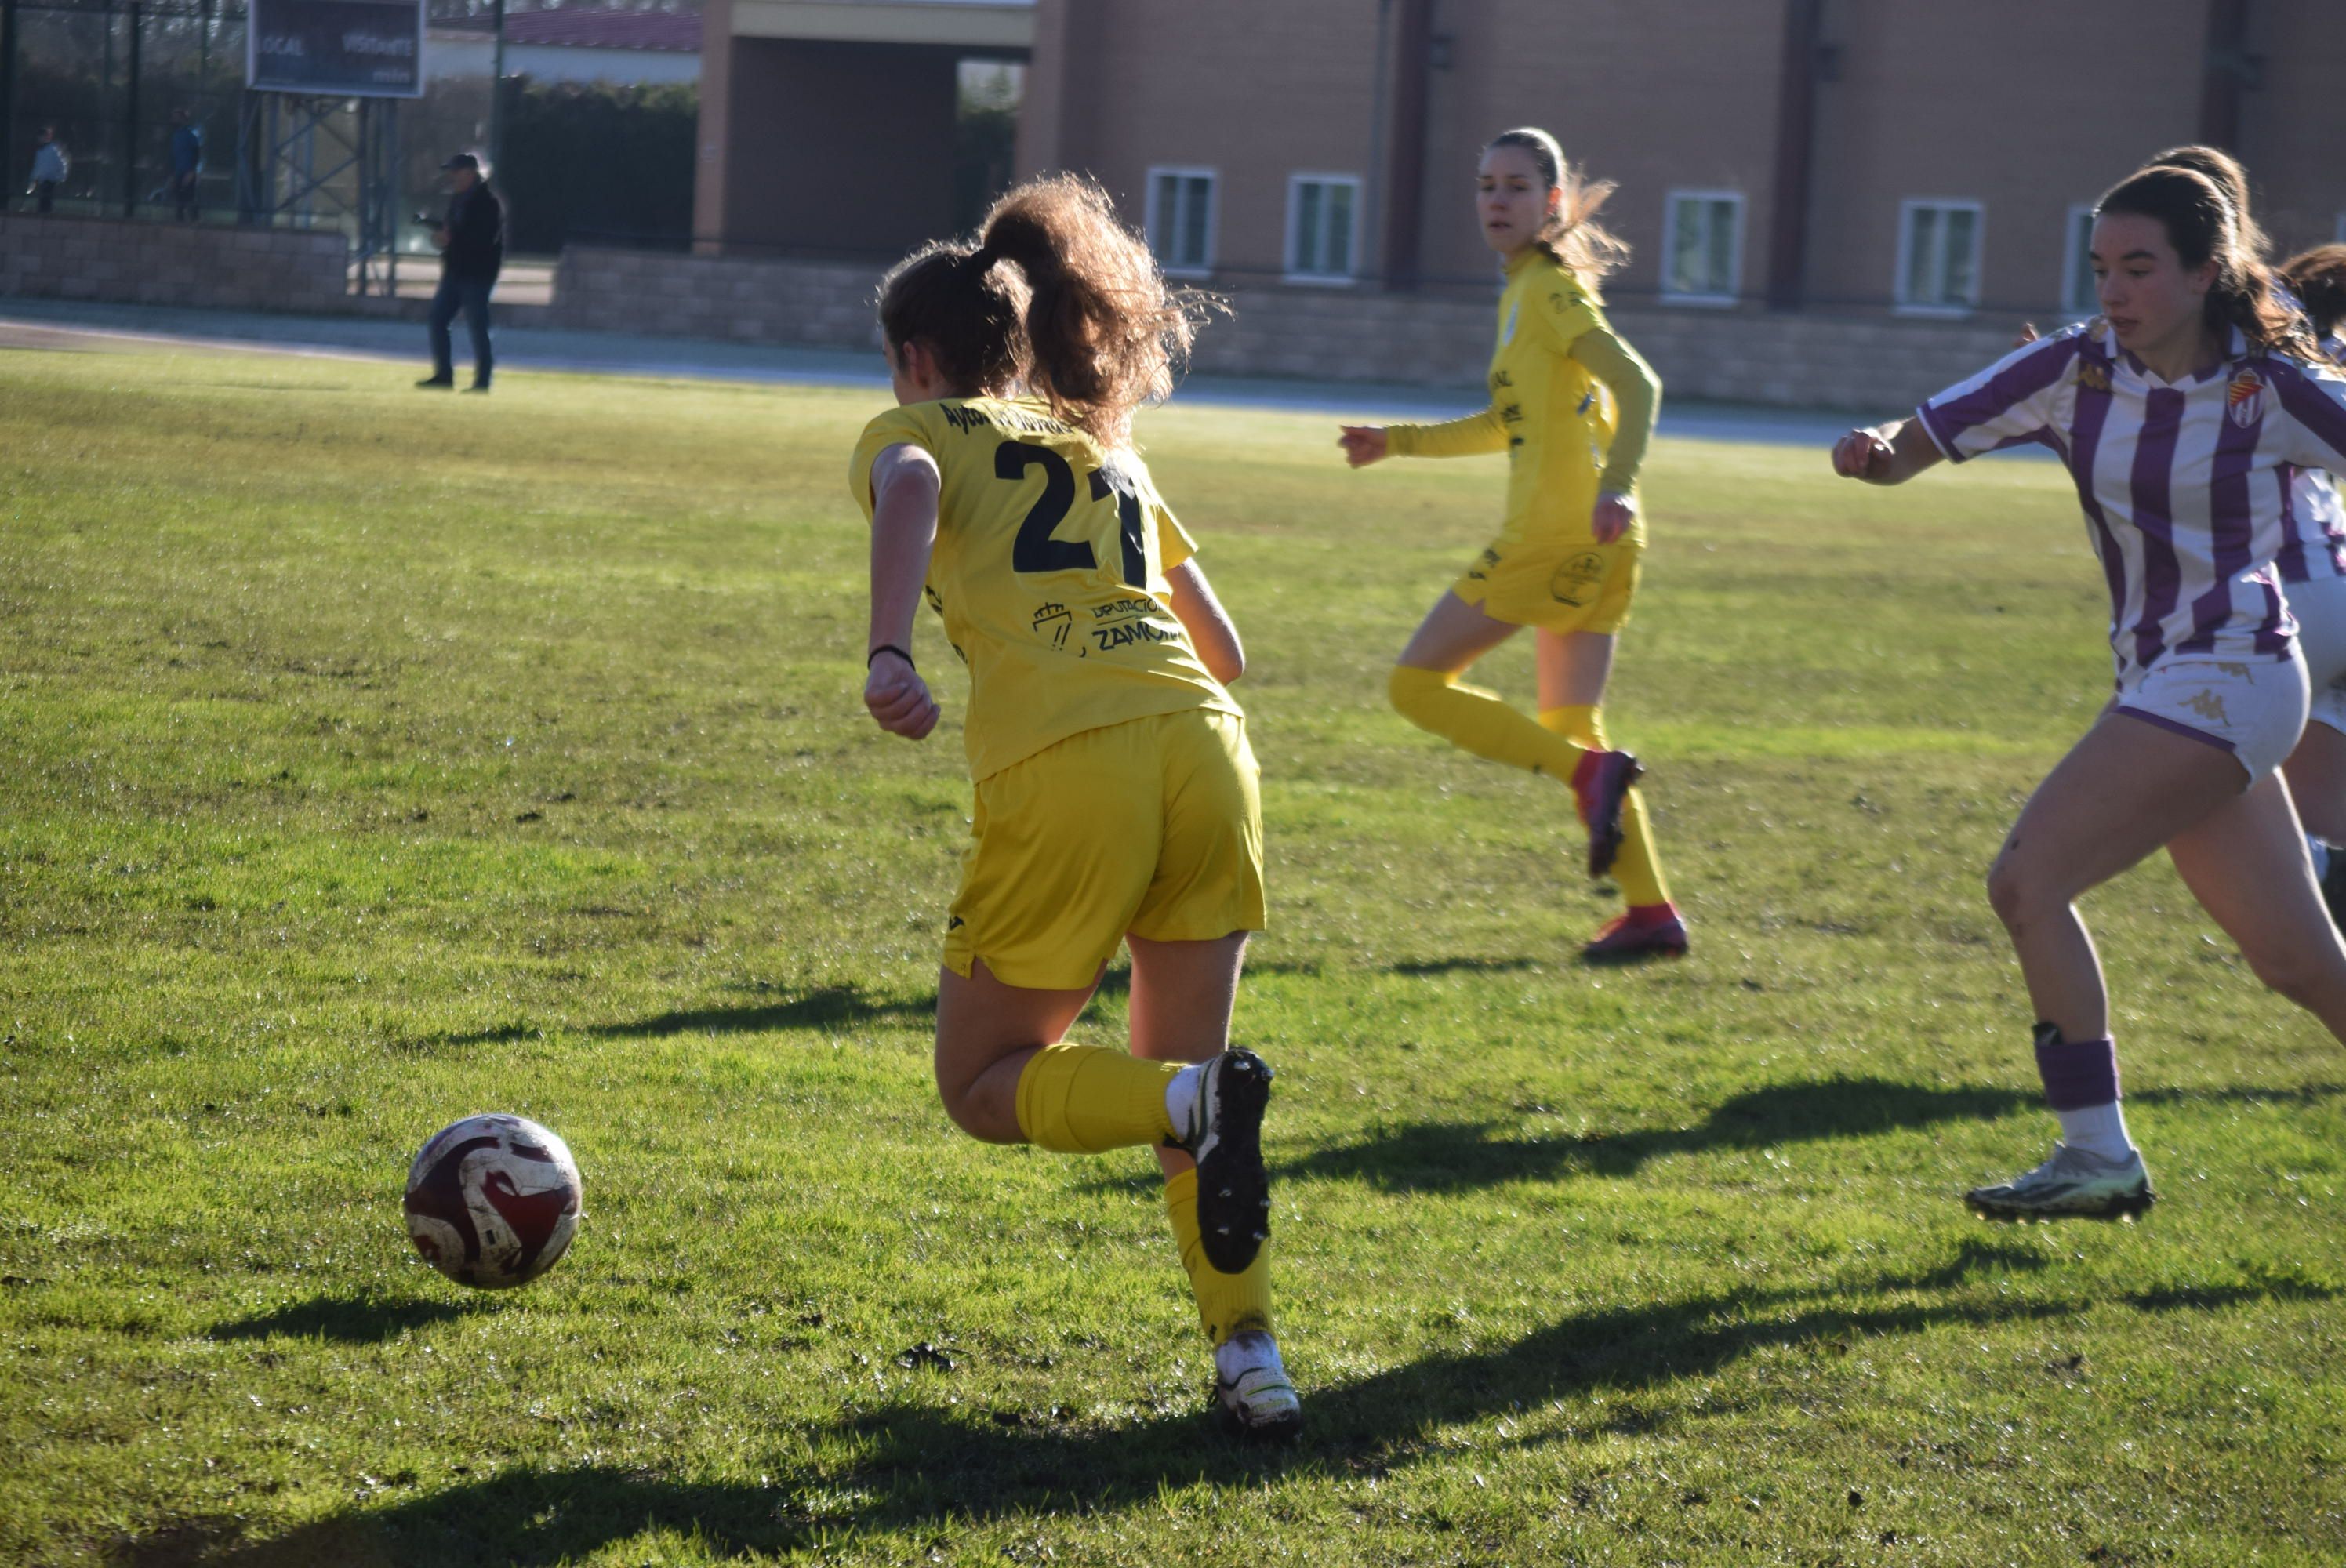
(1257, 1400)
(2074, 1182)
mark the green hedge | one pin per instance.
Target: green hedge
(597, 161)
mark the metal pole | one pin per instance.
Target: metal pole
(498, 90)
(8, 98)
(130, 124)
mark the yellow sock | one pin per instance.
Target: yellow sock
(1228, 1304)
(1638, 868)
(1477, 720)
(1083, 1099)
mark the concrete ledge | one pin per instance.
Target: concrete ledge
(1859, 360)
(172, 263)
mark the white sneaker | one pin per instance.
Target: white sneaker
(1257, 1400)
(2075, 1181)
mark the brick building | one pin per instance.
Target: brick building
(1905, 155)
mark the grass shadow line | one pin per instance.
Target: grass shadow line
(932, 1467)
(1443, 1156)
(346, 1320)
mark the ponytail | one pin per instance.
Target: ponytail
(1105, 333)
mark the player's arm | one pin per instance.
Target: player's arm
(1212, 631)
(1467, 437)
(903, 531)
(1886, 455)
(1637, 392)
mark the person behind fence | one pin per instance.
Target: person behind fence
(48, 169)
(187, 165)
(472, 242)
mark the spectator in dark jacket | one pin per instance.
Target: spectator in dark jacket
(472, 242)
(187, 165)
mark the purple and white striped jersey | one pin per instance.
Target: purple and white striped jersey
(2184, 486)
(2313, 528)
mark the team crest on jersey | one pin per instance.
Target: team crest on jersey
(1576, 581)
(2093, 375)
(1052, 621)
(2244, 400)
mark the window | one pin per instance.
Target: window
(1702, 247)
(1938, 256)
(2079, 298)
(1321, 214)
(1181, 218)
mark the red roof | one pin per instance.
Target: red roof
(577, 27)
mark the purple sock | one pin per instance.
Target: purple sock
(2078, 1074)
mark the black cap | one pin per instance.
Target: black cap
(463, 160)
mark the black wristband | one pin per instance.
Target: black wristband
(889, 647)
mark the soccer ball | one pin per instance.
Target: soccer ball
(492, 1201)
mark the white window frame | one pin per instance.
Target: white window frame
(2075, 248)
(1213, 179)
(1671, 247)
(1296, 272)
(1907, 210)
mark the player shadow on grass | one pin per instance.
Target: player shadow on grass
(932, 1470)
(1436, 1157)
(349, 1319)
(825, 1007)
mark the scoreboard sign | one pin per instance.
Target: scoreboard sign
(336, 48)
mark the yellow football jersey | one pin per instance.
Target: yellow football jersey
(1552, 419)
(1049, 574)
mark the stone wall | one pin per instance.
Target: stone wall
(813, 303)
(148, 263)
(1801, 360)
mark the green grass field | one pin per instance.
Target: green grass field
(369, 759)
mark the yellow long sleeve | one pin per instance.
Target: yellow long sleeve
(1477, 432)
(1637, 391)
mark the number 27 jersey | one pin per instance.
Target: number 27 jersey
(1049, 574)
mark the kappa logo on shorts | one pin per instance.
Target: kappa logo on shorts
(1576, 581)
(2207, 705)
(2244, 400)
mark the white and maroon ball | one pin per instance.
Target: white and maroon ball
(492, 1201)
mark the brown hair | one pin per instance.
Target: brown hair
(2318, 278)
(1080, 313)
(2230, 178)
(2203, 226)
(1571, 235)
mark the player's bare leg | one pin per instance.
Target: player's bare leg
(987, 1032)
(2316, 772)
(1425, 690)
(2123, 790)
(2248, 866)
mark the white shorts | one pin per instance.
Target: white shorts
(2253, 709)
(2319, 607)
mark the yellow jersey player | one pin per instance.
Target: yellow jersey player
(1565, 561)
(1116, 795)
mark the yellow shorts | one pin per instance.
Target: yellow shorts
(1153, 827)
(1570, 587)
